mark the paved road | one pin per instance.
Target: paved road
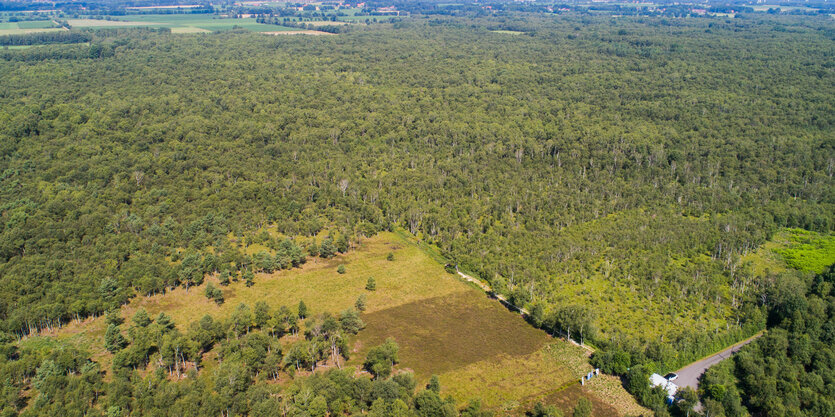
(689, 375)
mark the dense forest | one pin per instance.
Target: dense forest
(789, 371)
(598, 171)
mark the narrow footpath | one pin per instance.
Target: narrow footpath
(483, 285)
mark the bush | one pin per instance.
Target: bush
(360, 304)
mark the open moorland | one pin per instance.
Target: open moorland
(445, 327)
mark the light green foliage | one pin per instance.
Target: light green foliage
(809, 251)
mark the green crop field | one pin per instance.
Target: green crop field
(36, 24)
(33, 26)
(179, 23)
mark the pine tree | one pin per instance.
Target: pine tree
(360, 303)
(113, 339)
(302, 310)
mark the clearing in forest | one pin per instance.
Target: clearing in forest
(794, 248)
(444, 326)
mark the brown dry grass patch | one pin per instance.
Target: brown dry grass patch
(440, 334)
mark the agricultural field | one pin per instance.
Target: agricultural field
(766, 7)
(444, 326)
(179, 23)
(30, 26)
(508, 32)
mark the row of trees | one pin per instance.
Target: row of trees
(42, 38)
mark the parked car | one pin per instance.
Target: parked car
(671, 376)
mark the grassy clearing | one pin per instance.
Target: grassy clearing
(793, 249)
(508, 32)
(300, 32)
(189, 29)
(36, 24)
(807, 251)
(610, 389)
(443, 326)
(567, 399)
(20, 31)
(202, 21)
(503, 379)
(97, 23)
(408, 278)
(448, 332)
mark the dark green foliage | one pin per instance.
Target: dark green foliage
(583, 408)
(380, 359)
(114, 317)
(390, 256)
(473, 409)
(45, 38)
(209, 291)
(262, 314)
(360, 304)
(429, 404)
(623, 154)
(687, 399)
(371, 284)
(573, 321)
(350, 321)
(113, 339)
(249, 278)
(165, 322)
(540, 410)
(788, 371)
(141, 319)
(224, 278)
(327, 250)
(342, 243)
(217, 296)
(190, 158)
(434, 384)
(302, 310)
(340, 269)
